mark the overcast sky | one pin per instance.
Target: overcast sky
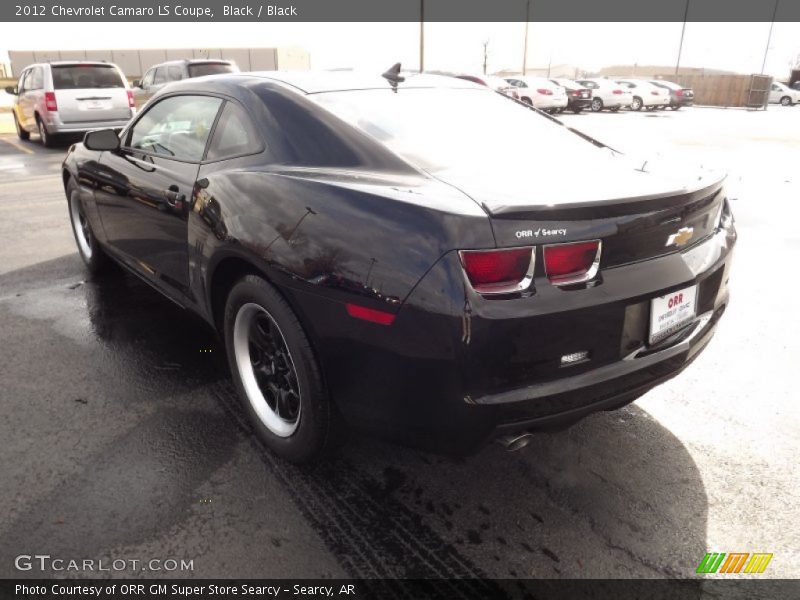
(449, 46)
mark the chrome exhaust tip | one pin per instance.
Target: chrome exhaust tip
(515, 441)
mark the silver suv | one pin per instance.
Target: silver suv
(161, 74)
(70, 97)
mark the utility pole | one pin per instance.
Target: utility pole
(421, 35)
(769, 37)
(683, 31)
(525, 50)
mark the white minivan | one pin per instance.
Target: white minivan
(55, 98)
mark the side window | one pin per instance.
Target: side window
(23, 82)
(147, 80)
(176, 127)
(160, 76)
(234, 134)
(35, 80)
(174, 72)
(775, 88)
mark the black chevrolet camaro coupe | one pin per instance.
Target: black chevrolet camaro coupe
(411, 256)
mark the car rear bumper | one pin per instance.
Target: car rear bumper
(582, 103)
(452, 371)
(56, 126)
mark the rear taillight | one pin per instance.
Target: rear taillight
(679, 93)
(50, 101)
(617, 92)
(499, 271)
(545, 92)
(131, 101)
(654, 92)
(572, 263)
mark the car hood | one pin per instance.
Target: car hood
(562, 185)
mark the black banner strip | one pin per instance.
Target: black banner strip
(420, 589)
(400, 10)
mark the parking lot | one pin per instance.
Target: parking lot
(122, 438)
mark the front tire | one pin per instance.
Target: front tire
(88, 247)
(615, 109)
(786, 101)
(21, 133)
(675, 107)
(526, 100)
(636, 103)
(275, 372)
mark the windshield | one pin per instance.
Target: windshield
(201, 69)
(443, 128)
(73, 77)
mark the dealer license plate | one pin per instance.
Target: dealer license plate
(672, 312)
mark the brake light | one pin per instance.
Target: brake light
(369, 314)
(572, 263)
(679, 93)
(50, 101)
(617, 92)
(545, 92)
(499, 271)
(131, 101)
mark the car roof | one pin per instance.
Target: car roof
(315, 82)
(191, 61)
(66, 63)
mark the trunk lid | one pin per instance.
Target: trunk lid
(634, 207)
(88, 93)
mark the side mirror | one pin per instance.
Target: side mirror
(101, 140)
(137, 83)
(12, 90)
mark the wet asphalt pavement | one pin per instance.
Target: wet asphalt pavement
(122, 438)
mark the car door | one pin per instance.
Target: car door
(22, 106)
(147, 188)
(774, 94)
(29, 96)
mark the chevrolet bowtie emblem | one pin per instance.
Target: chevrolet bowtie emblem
(680, 237)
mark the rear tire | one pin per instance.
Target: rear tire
(636, 103)
(47, 139)
(21, 133)
(597, 105)
(786, 101)
(276, 373)
(577, 110)
(88, 247)
(615, 109)
(675, 106)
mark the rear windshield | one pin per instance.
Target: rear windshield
(667, 84)
(201, 69)
(73, 77)
(441, 128)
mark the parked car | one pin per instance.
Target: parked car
(56, 98)
(539, 92)
(678, 95)
(783, 94)
(343, 237)
(578, 97)
(161, 74)
(607, 94)
(645, 94)
(498, 84)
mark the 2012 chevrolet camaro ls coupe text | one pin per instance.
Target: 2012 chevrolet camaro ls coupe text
(412, 256)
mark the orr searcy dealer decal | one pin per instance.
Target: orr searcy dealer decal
(543, 232)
